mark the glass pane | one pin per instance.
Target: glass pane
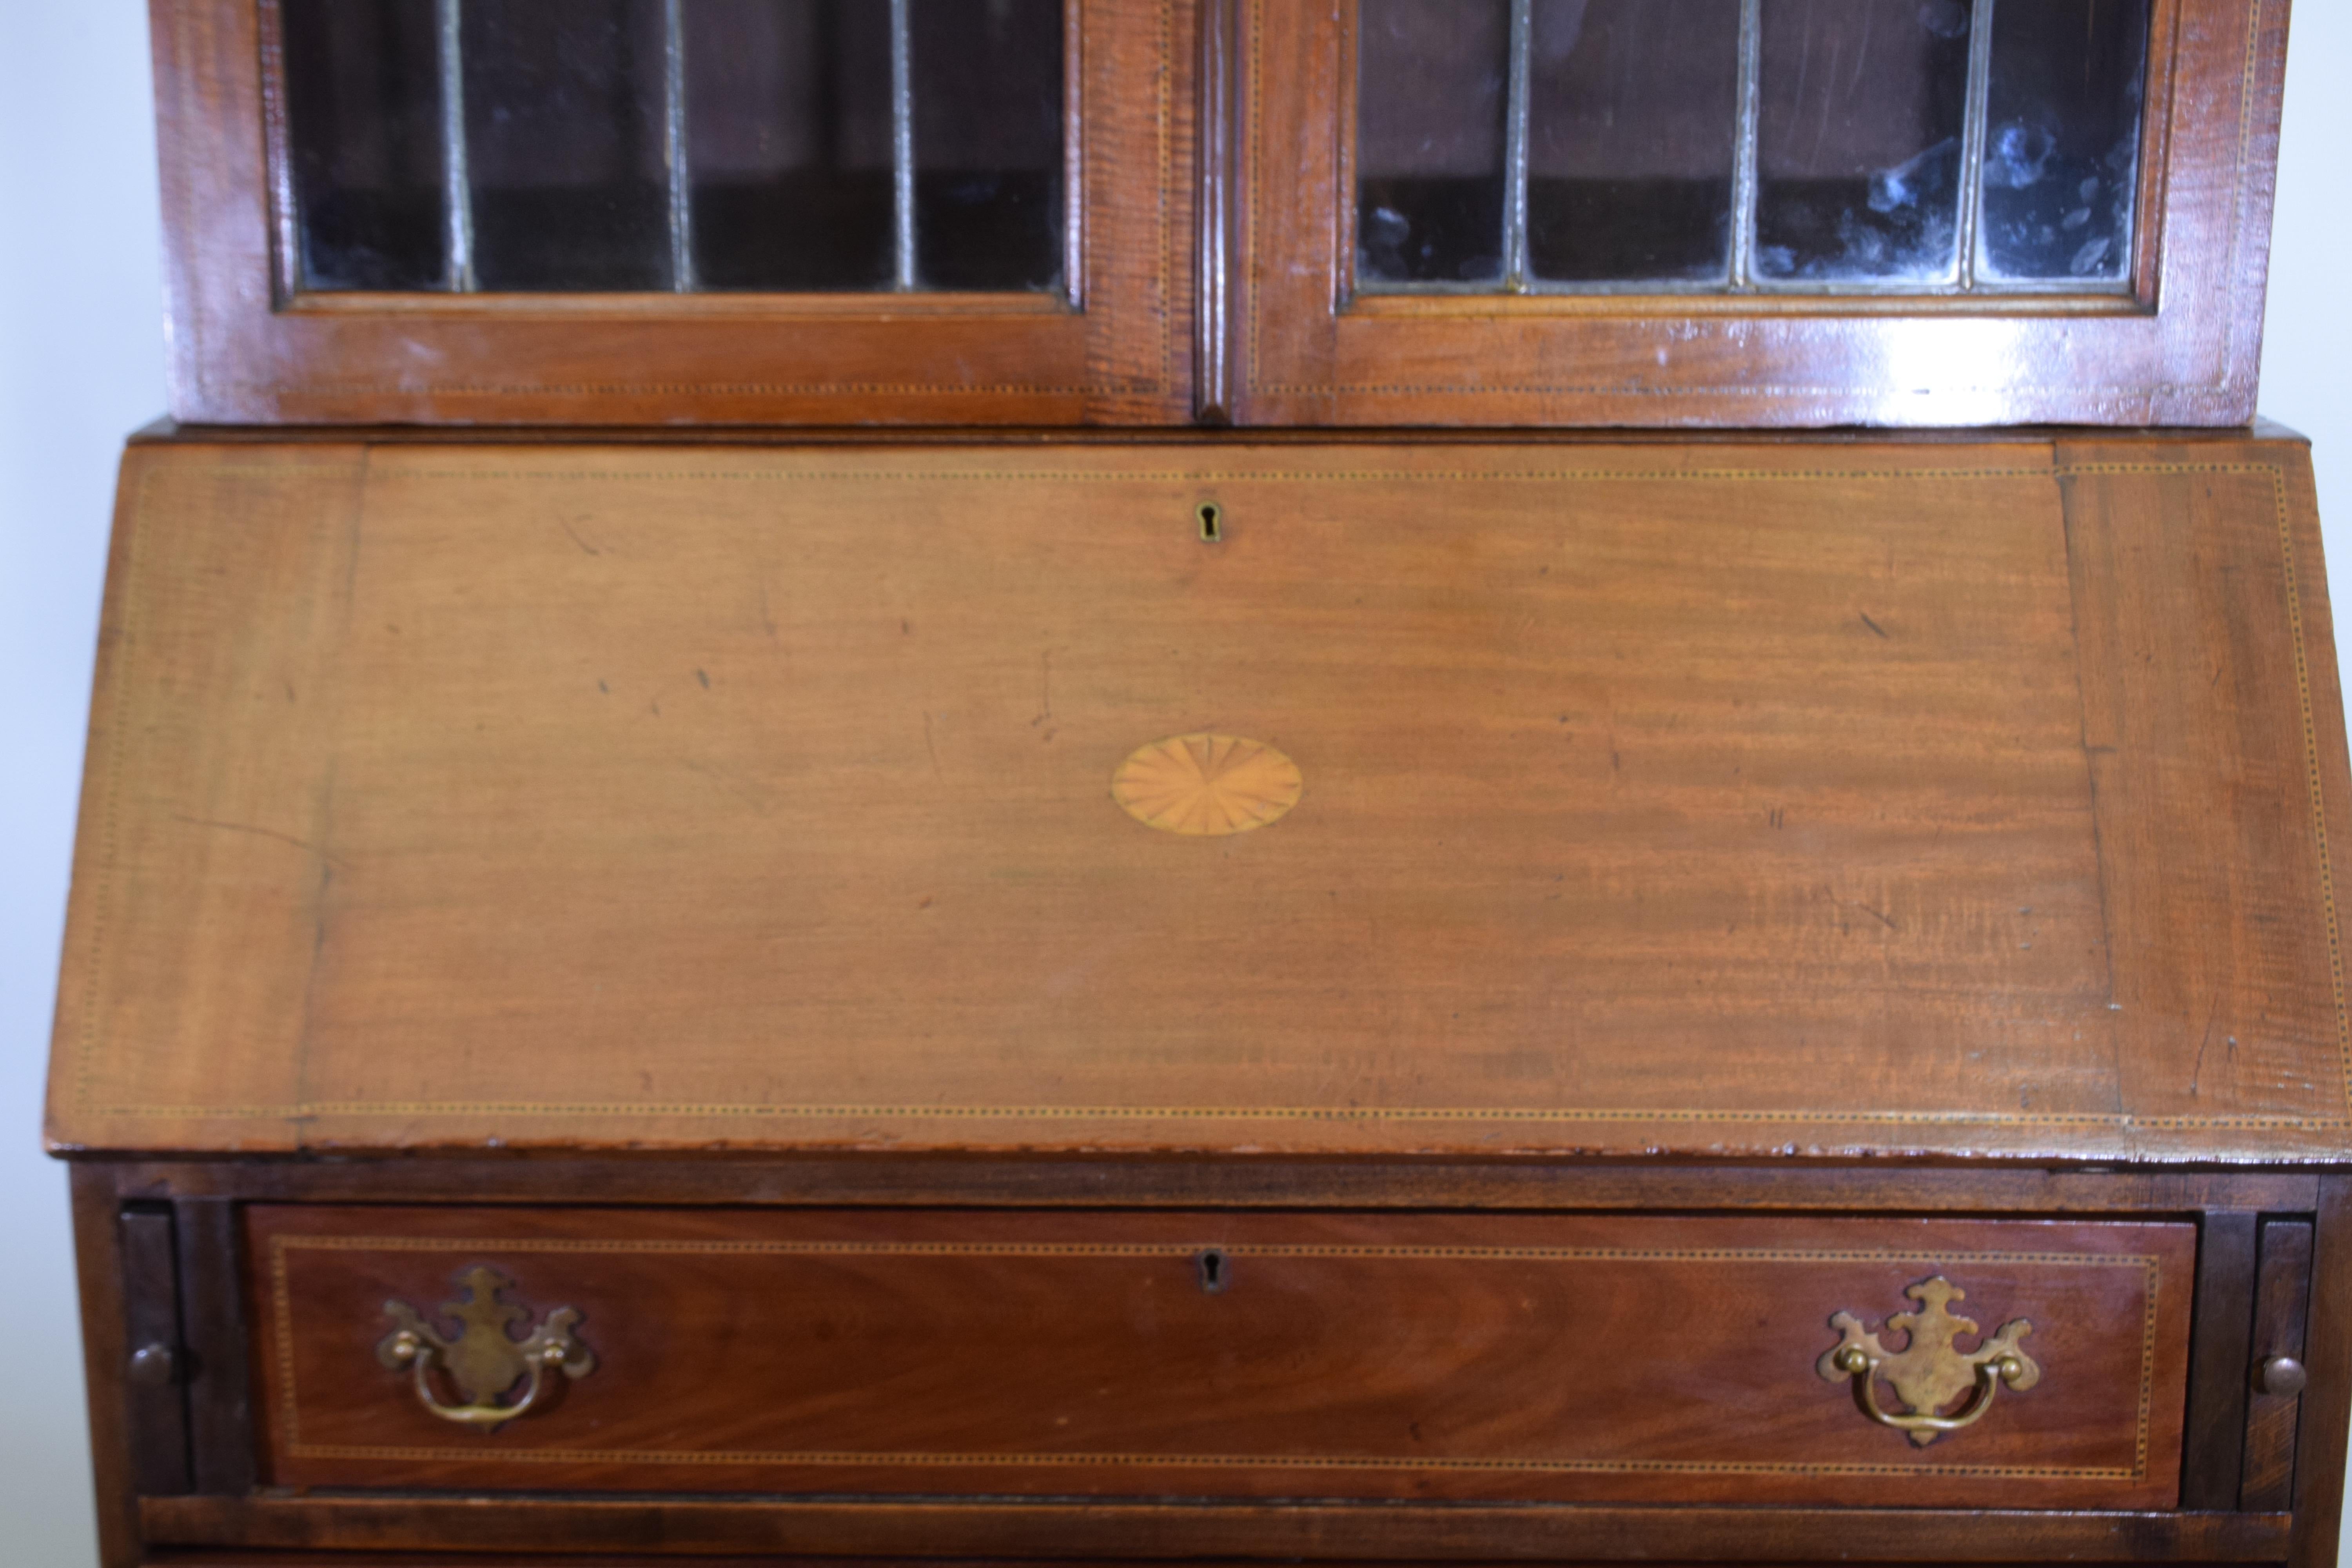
(1858, 146)
(988, 143)
(788, 136)
(1431, 85)
(1633, 127)
(364, 118)
(564, 125)
(2062, 138)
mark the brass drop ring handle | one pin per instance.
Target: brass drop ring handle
(1929, 1373)
(1857, 1363)
(483, 1361)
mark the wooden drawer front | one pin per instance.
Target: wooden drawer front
(1531, 1357)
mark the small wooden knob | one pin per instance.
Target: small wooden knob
(153, 1365)
(2281, 1374)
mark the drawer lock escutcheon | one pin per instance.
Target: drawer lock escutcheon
(1929, 1373)
(484, 1360)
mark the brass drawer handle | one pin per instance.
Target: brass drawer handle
(484, 1361)
(1928, 1372)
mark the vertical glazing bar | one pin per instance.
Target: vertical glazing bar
(457, 183)
(681, 186)
(902, 137)
(1972, 137)
(1743, 166)
(1515, 147)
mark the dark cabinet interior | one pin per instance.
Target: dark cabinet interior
(679, 145)
(1725, 145)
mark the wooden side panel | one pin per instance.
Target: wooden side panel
(1120, 354)
(2185, 351)
(1627, 1359)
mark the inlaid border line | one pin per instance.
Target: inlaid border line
(2149, 1265)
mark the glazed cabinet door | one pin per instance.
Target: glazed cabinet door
(1751, 211)
(616, 212)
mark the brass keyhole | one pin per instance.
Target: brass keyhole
(1212, 522)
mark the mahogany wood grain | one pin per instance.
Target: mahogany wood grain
(213, 1557)
(1629, 1358)
(2183, 351)
(2320, 1439)
(1222, 1180)
(98, 1269)
(165, 430)
(2170, 563)
(2281, 1295)
(213, 1315)
(154, 1402)
(208, 1557)
(1727, 801)
(2215, 1439)
(1118, 353)
(1131, 1532)
(200, 1557)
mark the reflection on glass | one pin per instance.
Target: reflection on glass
(564, 130)
(988, 143)
(1858, 142)
(788, 140)
(1632, 133)
(363, 106)
(2062, 138)
(1432, 80)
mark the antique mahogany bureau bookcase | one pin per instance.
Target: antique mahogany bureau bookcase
(1158, 779)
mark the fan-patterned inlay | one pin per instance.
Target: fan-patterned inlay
(1206, 785)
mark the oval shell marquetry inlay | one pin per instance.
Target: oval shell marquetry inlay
(1206, 785)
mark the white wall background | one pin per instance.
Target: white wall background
(82, 364)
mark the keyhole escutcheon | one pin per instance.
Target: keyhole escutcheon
(1216, 1271)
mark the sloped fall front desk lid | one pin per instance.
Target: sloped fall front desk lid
(1811, 797)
